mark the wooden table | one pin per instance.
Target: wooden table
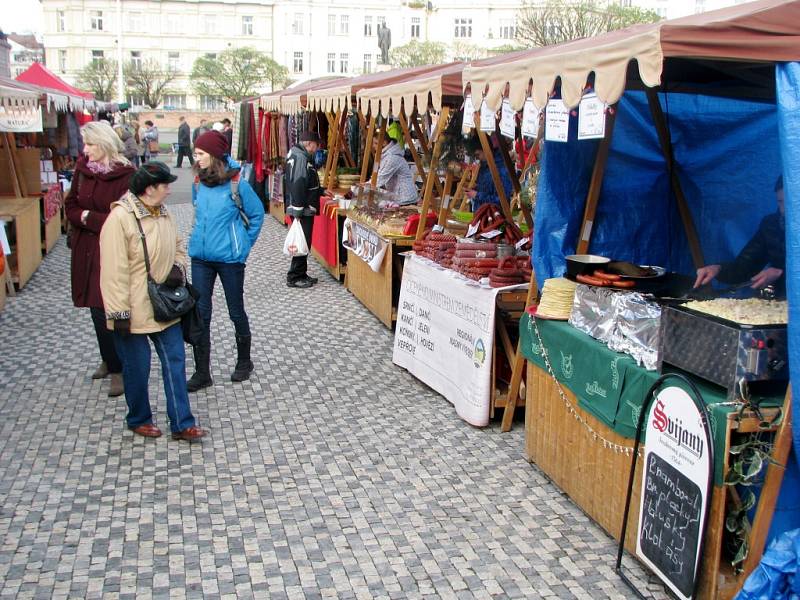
(22, 215)
(510, 306)
(333, 236)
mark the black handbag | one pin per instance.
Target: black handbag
(169, 303)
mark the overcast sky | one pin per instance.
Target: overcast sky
(26, 16)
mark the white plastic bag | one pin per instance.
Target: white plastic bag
(295, 244)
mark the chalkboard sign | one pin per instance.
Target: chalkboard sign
(675, 488)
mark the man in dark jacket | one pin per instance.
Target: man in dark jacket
(184, 143)
(227, 131)
(762, 260)
(198, 131)
(302, 192)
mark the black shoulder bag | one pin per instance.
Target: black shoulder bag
(169, 303)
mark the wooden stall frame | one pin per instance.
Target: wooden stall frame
(498, 183)
(444, 117)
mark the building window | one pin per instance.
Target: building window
(662, 12)
(507, 29)
(136, 59)
(135, 21)
(175, 101)
(699, 6)
(415, 27)
(381, 21)
(331, 24)
(331, 62)
(625, 3)
(344, 24)
(297, 64)
(367, 26)
(173, 23)
(211, 55)
(344, 60)
(247, 25)
(135, 100)
(97, 56)
(368, 63)
(463, 28)
(210, 24)
(96, 20)
(297, 24)
(174, 61)
(211, 103)
(61, 21)
(62, 61)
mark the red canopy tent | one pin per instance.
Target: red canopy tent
(38, 74)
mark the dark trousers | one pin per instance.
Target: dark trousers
(135, 352)
(187, 152)
(105, 340)
(204, 275)
(299, 268)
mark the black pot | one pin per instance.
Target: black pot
(585, 264)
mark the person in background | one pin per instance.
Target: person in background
(184, 143)
(485, 191)
(763, 259)
(199, 131)
(302, 193)
(139, 131)
(219, 246)
(150, 139)
(130, 149)
(140, 218)
(394, 174)
(228, 133)
(101, 177)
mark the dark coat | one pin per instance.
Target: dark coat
(93, 192)
(301, 188)
(184, 134)
(766, 247)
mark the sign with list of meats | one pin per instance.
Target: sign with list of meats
(674, 491)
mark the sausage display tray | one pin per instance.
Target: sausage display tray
(724, 352)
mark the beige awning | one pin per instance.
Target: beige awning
(763, 31)
(292, 100)
(15, 97)
(445, 81)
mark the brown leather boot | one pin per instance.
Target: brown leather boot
(116, 388)
(101, 372)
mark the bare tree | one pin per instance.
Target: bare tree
(417, 54)
(99, 77)
(553, 21)
(237, 73)
(150, 80)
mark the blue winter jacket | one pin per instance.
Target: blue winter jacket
(219, 234)
(486, 191)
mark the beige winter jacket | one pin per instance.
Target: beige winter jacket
(123, 276)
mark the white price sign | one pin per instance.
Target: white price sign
(591, 118)
(487, 118)
(508, 120)
(556, 121)
(530, 119)
(469, 115)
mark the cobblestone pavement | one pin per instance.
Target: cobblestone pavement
(330, 474)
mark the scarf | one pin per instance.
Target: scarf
(213, 179)
(98, 167)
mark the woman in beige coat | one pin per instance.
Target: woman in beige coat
(123, 281)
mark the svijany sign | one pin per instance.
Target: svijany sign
(676, 484)
(364, 243)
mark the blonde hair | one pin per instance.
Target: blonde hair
(100, 134)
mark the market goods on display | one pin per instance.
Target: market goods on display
(512, 270)
(439, 247)
(556, 299)
(602, 279)
(488, 218)
(752, 311)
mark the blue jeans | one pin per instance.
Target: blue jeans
(134, 351)
(204, 276)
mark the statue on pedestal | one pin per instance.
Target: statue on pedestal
(384, 42)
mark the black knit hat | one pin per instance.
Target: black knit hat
(151, 173)
(310, 136)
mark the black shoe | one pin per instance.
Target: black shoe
(313, 280)
(202, 373)
(198, 381)
(244, 366)
(300, 283)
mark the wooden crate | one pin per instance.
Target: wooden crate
(276, 210)
(596, 477)
(24, 229)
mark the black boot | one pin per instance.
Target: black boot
(202, 373)
(244, 366)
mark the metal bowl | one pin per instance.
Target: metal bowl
(584, 264)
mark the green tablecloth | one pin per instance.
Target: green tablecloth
(611, 386)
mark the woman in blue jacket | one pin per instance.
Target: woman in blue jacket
(485, 191)
(227, 220)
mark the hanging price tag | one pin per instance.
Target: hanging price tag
(530, 119)
(591, 118)
(556, 121)
(521, 243)
(487, 118)
(508, 120)
(438, 229)
(472, 230)
(469, 115)
(488, 235)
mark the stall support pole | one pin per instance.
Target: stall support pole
(498, 183)
(665, 140)
(333, 151)
(590, 211)
(519, 366)
(379, 150)
(512, 173)
(444, 116)
(367, 149)
(423, 139)
(414, 153)
(343, 145)
(446, 200)
(472, 179)
(770, 491)
(20, 187)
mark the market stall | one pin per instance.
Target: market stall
(683, 181)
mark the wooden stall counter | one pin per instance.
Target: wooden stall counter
(23, 229)
(326, 242)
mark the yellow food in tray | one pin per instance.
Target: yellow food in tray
(752, 311)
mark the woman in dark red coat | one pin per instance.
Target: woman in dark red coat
(101, 177)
